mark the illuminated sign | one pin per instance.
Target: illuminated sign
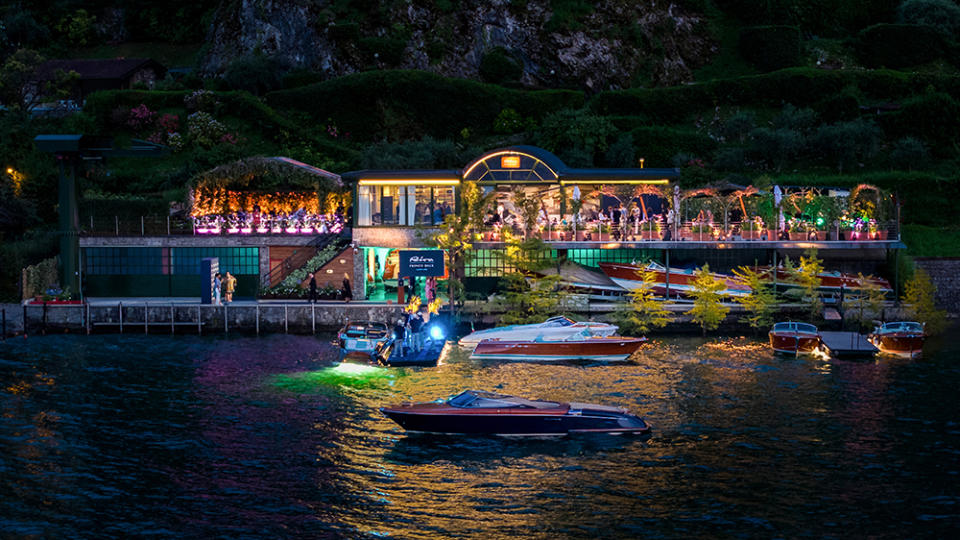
(510, 162)
(421, 263)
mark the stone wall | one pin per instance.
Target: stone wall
(945, 274)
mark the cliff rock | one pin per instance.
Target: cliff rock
(616, 44)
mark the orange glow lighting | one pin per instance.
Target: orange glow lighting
(510, 162)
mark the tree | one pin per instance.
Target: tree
(865, 304)
(920, 302)
(456, 235)
(942, 15)
(807, 275)
(527, 295)
(643, 311)
(19, 89)
(761, 303)
(707, 310)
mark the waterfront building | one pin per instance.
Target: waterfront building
(584, 216)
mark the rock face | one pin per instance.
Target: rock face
(617, 44)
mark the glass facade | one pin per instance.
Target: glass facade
(404, 205)
(164, 271)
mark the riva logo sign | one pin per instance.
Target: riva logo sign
(421, 263)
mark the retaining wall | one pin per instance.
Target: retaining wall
(945, 274)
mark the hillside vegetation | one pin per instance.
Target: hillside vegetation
(782, 95)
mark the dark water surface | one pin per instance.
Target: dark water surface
(118, 436)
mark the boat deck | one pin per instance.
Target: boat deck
(847, 344)
(429, 356)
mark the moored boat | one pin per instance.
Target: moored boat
(360, 339)
(552, 328)
(605, 349)
(794, 338)
(678, 281)
(830, 281)
(474, 412)
(901, 338)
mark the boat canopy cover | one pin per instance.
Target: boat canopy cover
(795, 327)
(902, 326)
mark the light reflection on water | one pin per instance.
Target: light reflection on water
(249, 437)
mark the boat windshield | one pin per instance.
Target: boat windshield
(474, 399)
(795, 327)
(913, 327)
(557, 322)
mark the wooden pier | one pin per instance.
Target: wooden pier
(847, 345)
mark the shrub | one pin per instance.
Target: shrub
(498, 66)
(771, 47)
(941, 15)
(257, 74)
(392, 105)
(899, 45)
(387, 50)
(658, 144)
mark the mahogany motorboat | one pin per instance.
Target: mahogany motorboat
(830, 281)
(794, 338)
(598, 348)
(679, 281)
(475, 412)
(901, 338)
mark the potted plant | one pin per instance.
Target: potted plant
(751, 230)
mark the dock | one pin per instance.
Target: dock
(847, 345)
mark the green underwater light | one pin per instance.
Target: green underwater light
(344, 374)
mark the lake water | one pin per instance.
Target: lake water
(242, 437)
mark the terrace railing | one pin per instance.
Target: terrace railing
(597, 231)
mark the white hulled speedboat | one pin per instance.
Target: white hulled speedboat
(554, 328)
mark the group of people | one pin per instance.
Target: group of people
(346, 294)
(223, 287)
(270, 222)
(411, 329)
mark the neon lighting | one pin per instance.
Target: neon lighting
(233, 230)
(410, 182)
(508, 152)
(291, 230)
(611, 182)
(262, 230)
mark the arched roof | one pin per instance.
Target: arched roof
(515, 163)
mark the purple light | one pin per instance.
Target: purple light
(262, 230)
(306, 230)
(203, 230)
(233, 230)
(246, 230)
(292, 230)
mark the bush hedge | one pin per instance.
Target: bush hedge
(658, 145)
(771, 47)
(401, 105)
(799, 86)
(899, 45)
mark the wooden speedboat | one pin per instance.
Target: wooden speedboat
(900, 338)
(476, 412)
(630, 277)
(794, 338)
(606, 348)
(830, 281)
(552, 328)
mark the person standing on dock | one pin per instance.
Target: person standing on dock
(230, 285)
(216, 288)
(347, 291)
(313, 289)
(400, 333)
(416, 331)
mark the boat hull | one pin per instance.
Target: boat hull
(793, 343)
(531, 332)
(517, 424)
(608, 349)
(630, 277)
(906, 345)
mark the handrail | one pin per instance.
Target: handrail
(297, 259)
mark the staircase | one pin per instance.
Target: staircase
(298, 259)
